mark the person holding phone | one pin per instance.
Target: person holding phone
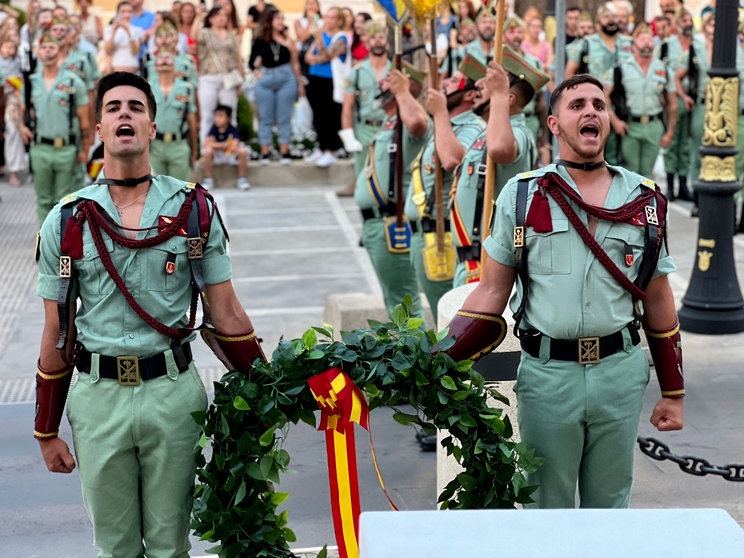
(122, 40)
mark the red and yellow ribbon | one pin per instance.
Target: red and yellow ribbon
(342, 404)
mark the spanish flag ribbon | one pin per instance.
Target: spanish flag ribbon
(342, 404)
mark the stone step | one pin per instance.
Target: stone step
(296, 173)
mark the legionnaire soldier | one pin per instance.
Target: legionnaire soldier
(582, 373)
(85, 61)
(166, 36)
(691, 79)
(506, 139)
(480, 48)
(130, 410)
(361, 118)
(376, 188)
(694, 65)
(642, 89)
(536, 110)
(599, 53)
(174, 150)
(455, 128)
(59, 105)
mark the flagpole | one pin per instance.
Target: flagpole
(438, 178)
(398, 42)
(498, 49)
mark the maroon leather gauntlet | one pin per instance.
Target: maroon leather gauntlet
(237, 352)
(51, 394)
(666, 352)
(476, 334)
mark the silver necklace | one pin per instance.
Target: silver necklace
(120, 208)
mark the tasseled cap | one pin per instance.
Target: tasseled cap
(517, 65)
(642, 28)
(373, 27)
(472, 68)
(414, 73)
(514, 21)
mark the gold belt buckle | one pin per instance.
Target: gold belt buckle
(588, 350)
(645, 119)
(128, 370)
(167, 137)
(59, 143)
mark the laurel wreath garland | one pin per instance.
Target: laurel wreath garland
(392, 363)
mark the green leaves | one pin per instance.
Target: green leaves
(392, 363)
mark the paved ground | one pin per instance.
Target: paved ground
(291, 248)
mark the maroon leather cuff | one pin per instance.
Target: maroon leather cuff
(51, 394)
(666, 352)
(237, 352)
(476, 334)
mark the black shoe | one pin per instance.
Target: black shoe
(670, 187)
(427, 442)
(684, 192)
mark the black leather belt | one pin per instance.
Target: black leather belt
(130, 370)
(586, 350)
(645, 119)
(383, 211)
(428, 225)
(375, 123)
(57, 143)
(465, 253)
(168, 137)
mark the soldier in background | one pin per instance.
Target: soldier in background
(361, 118)
(585, 25)
(480, 46)
(376, 189)
(642, 89)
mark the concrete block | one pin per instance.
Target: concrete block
(508, 351)
(296, 173)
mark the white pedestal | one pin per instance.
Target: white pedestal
(681, 533)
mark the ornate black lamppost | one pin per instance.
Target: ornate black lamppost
(713, 303)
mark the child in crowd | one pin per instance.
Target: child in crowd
(15, 150)
(10, 62)
(222, 147)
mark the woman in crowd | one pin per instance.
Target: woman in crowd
(233, 21)
(254, 13)
(447, 25)
(359, 50)
(304, 28)
(122, 40)
(329, 50)
(275, 63)
(92, 24)
(166, 17)
(186, 18)
(535, 44)
(220, 66)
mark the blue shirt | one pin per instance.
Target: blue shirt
(324, 70)
(144, 22)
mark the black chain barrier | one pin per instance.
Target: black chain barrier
(692, 465)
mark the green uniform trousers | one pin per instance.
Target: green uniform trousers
(677, 155)
(612, 147)
(172, 159)
(135, 448)
(432, 289)
(583, 419)
(696, 137)
(641, 146)
(54, 175)
(394, 271)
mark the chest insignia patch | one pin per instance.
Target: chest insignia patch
(478, 145)
(164, 221)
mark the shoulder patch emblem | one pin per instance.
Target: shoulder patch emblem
(527, 174)
(67, 198)
(650, 183)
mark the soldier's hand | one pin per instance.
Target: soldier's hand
(689, 103)
(436, 102)
(620, 127)
(26, 134)
(398, 82)
(82, 157)
(497, 81)
(668, 414)
(666, 140)
(57, 455)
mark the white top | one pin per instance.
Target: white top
(123, 56)
(340, 67)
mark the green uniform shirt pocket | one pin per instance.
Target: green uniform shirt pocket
(165, 263)
(91, 273)
(624, 244)
(549, 253)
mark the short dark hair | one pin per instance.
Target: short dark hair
(224, 108)
(522, 90)
(573, 9)
(571, 83)
(210, 14)
(116, 79)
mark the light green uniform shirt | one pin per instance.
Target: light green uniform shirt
(467, 174)
(571, 294)
(600, 58)
(185, 69)
(466, 126)
(643, 92)
(673, 53)
(701, 60)
(53, 107)
(373, 185)
(173, 110)
(529, 108)
(362, 82)
(106, 324)
(84, 65)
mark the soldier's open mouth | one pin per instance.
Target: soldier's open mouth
(590, 131)
(125, 130)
